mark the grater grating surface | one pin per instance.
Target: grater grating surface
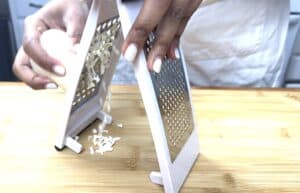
(174, 102)
(97, 61)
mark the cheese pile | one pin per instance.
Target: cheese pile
(100, 143)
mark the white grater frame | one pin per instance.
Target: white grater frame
(72, 124)
(172, 174)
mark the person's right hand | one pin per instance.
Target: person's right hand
(67, 15)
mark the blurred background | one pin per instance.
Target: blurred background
(7, 43)
(13, 12)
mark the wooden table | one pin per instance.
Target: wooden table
(250, 142)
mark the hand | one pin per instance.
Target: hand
(168, 18)
(67, 15)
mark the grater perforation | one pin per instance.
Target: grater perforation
(172, 94)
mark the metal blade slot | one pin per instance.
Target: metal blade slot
(97, 61)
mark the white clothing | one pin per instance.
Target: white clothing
(236, 42)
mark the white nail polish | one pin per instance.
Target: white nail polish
(59, 70)
(157, 65)
(131, 52)
(51, 86)
(177, 53)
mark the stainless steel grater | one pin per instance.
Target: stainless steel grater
(172, 94)
(98, 55)
(169, 110)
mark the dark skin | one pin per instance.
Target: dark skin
(169, 20)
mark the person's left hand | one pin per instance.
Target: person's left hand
(66, 15)
(168, 18)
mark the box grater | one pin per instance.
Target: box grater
(166, 95)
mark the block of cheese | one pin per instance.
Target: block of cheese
(59, 46)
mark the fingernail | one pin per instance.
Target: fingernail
(131, 52)
(51, 86)
(177, 53)
(157, 65)
(59, 70)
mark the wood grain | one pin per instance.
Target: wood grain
(250, 142)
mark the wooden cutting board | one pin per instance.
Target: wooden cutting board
(249, 140)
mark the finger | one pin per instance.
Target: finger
(24, 72)
(193, 6)
(75, 21)
(173, 50)
(148, 18)
(34, 27)
(166, 33)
